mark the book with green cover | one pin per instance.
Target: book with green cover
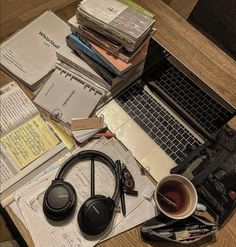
(138, 8)
(115, 20)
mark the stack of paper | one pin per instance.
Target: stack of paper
(69, 57)
(83, 135)
(28, 201)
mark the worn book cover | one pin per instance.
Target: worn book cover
(115, 20)
(86, 34)
(116, 63)
(118, 16)
(85, 48)
(30, 54)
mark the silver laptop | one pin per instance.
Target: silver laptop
(153, 130)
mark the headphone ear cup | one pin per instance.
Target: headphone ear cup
(95, 214)
(59, 200)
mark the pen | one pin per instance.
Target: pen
(122, 194)
(131, 192)
(92, 177)
(187, 227)
(105, 134)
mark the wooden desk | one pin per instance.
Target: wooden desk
(210, 64)
(205, 60)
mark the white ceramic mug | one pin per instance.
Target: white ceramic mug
(181, 192)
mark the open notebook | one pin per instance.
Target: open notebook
(65, 95)
(27, 141)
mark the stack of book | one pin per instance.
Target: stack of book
(112, 37)
(105, 52)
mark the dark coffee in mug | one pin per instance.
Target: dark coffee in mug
(176, 192)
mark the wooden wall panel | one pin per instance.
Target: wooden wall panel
(15, 14)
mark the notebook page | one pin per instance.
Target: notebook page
(16, 107)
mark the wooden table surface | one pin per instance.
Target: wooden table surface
(210, 64)
(203, 58)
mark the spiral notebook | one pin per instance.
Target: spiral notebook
(66, 96)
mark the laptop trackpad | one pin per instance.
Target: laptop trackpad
(158, 163)
(135, 139)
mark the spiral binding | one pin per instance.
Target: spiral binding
(72, 76)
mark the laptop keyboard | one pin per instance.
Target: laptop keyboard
(191, 98)
(158, 123)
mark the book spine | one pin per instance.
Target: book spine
(111, 43)
(129, 44)
(85, 48)
(96, 67)
(117, 53)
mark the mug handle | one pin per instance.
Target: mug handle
(201, 207)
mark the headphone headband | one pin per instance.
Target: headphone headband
(89, 154)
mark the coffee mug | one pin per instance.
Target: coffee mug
(176, 197)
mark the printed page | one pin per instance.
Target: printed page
(17, 178)
(8, 167)
(29, 141)
(16, 107)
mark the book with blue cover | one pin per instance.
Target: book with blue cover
(86, 48)
(110, 79)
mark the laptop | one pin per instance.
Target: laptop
(164, 115)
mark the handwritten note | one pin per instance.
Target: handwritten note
(29, 141)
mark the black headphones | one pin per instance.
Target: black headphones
(60, 198)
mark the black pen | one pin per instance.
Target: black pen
(92, 177)
(121, 189)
